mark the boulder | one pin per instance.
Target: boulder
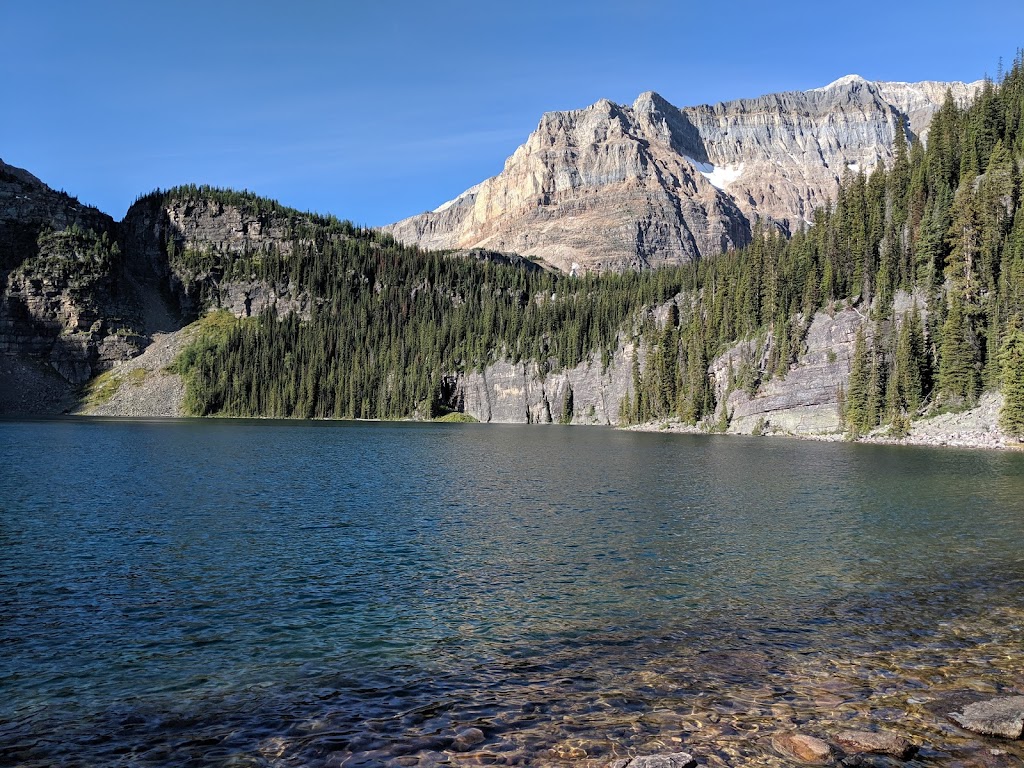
(674, 760)
(876, 742)
(1002, 717)
(806, 749)
(466, 739)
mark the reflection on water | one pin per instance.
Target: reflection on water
(303, 594)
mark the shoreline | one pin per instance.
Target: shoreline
(975, 429)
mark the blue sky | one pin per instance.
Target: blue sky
(376, 111)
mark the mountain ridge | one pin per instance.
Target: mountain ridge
(614, 186)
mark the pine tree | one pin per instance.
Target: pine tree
(958, 375)
(965, 243)
(1011, 416)
(907, 383)
(858, 385)
(876, 388)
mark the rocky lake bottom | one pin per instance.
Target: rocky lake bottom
(239, 594)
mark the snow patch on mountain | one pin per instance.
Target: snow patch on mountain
(720, 176)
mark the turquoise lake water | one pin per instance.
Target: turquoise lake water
(266, 593)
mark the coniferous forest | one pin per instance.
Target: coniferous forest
(943, 224)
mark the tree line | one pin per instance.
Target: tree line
(943, 223)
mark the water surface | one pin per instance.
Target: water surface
(263, 593)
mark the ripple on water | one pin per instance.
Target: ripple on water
(361, 595)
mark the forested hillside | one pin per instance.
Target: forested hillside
(387, 323)
(944, 224)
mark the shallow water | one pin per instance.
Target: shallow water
(242, 593)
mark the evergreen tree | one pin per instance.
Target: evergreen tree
(958, 375)
(907, 383)
(858, 389)
(1011, 416)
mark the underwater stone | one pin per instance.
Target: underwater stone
(1003, 717)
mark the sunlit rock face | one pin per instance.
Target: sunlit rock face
(614, 187)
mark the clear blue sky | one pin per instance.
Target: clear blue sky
(378, 110)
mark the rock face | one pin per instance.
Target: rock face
(803, 402)
(78, 332)
(614, 187)
(80, 293)
(65, 301)
(27, 206)
(514, 393)
(160, 232)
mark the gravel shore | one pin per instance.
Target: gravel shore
(974, 428)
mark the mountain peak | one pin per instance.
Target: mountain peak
(632, 186)
(649, 101)
(842, 82)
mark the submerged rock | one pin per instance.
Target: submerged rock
(466, 739)
(674, 760)
(880, 743)
(806, 749)
(1003, 717)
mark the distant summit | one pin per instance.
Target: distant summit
(840, 83)
(614, 187)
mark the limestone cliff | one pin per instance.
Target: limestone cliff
(617, 187)
(28, 206)
(162, 231)
(65, 302)
(523, 393)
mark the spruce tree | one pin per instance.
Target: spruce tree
(958, 375)
(1011, 416)
(858, 388)
(906, 385)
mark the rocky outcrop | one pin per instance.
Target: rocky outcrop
(80, 293)
(28, 206)
(250, 298)
(804, 401)
(629, 187)
(77, 338)
(162, 230)
(602, 187)
(64, 297)
(522, 393)
(805, 398)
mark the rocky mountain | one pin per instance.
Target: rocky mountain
(68, 308)
(81, 293)
(766, 339)
(27, 206)
(614, 187)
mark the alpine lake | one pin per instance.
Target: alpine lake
(242, 593)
